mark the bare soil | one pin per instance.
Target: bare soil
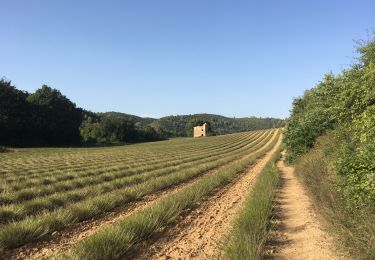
(198, 234)
(297, 232)
(63, 240)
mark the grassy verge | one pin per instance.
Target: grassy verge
(354, 230)
(116, 240)
(250, 229)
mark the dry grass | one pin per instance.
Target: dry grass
(354, 230)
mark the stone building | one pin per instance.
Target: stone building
(200, 131)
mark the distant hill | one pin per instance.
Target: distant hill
(48, 118)
(135, 119)
(181, 125)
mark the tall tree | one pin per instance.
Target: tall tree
(14, 117)
(56, 119)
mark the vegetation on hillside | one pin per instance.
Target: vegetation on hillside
(337, 117)
(183, 125)
(48, 118)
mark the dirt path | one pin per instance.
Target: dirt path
(298, 233)
(65, 239)
(198, 233)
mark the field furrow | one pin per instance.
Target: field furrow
(21, 170)
(19, 211)
(80, 181)
(163, 211)
(199, 233)
(32, 219)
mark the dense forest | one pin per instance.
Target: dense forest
(48, 118)
(330, 136)
(183, 125)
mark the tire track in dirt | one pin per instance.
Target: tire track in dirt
(297, 232)
(63, 240)
(199, 233)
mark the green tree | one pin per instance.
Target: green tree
(90, 130)
(14, 115)
(117, 129)
(344, 107)
(56, 119)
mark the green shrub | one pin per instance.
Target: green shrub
(349, 218)
(344, 106)
(250, 230)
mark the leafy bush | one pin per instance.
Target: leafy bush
(345, 103)
(352, 222)
(337, 117)
(114, 129)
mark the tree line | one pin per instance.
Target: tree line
(341, 108)
(48, 118)
(182, 125)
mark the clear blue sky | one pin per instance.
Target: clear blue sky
(168, 57)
